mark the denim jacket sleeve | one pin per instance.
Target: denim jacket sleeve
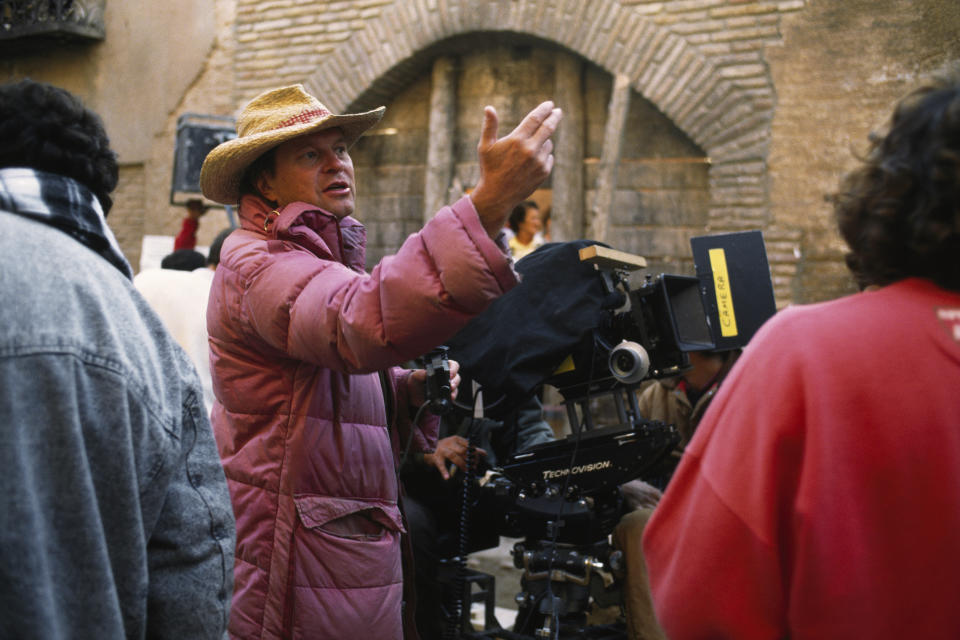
(190, 549)
(116, 519)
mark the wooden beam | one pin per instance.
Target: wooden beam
(610, 158)
(440, 160)
(566, 210)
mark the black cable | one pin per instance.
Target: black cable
(466, 498)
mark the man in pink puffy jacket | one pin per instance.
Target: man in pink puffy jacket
(298, 333)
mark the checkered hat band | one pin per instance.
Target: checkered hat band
(303, 117)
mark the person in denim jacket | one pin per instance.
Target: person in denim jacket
(115, 519)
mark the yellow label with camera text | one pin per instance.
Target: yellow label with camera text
(721, 284)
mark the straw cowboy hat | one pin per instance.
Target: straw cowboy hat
(271, 118)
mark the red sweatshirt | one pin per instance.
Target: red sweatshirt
(187, 238)
(820, 496)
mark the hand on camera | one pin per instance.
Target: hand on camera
(639, 495)
(451, 449)
(513, 166)
(417, 386)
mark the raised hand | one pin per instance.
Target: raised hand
(196, 208)
(512, 167)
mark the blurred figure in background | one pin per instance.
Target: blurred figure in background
(527, 229)
(183, 260)
(187, 237)
(179, 296)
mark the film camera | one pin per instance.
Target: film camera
(577, 323)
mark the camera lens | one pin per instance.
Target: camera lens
(626, 361)
(629, 362)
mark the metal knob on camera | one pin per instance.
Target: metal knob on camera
(629, 362)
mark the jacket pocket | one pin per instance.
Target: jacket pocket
(349, 517)
(342, 543)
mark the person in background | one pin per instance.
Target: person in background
(820, 496)
(187, 237)
(184, 260)
(525, 223)
(115, 519)
(179, 296)
(680, 401)
(311, 406)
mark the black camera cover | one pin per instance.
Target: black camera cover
(524, 335)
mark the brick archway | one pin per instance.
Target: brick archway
(729, 122)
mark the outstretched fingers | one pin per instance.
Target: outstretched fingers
(532, 121)
(547, 156)
(513, 166)
(545, 150)
(488, 130)
(539, 124)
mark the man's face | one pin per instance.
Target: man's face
(314, 168)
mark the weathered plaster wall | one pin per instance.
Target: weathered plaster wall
(154, 55)
(841, 67)
(137, 75)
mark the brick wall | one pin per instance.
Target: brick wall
(840, 69)
(126, 216)
(698, 63)
(211, 92)
(738, 80)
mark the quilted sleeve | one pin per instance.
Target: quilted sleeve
(322, 312)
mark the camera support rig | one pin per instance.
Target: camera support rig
(563, 498)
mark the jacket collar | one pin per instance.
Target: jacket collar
(63, 203)
(343, 240)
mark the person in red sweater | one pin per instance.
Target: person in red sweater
(187, 238)
(820, 495)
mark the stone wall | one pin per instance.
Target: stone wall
(127, 215)
(838, 71)
(157, 61)
(662, 193)
(390, 172)
(759, 103)
(698, 65)
(211, 93)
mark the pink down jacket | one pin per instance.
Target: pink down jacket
(297, 332)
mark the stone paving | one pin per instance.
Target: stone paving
(498, 562)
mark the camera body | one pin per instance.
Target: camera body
(606, 337)
(647, 334)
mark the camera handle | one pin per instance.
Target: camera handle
(438, 389)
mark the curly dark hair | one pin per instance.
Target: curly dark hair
(900, 211)
(47, 128)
